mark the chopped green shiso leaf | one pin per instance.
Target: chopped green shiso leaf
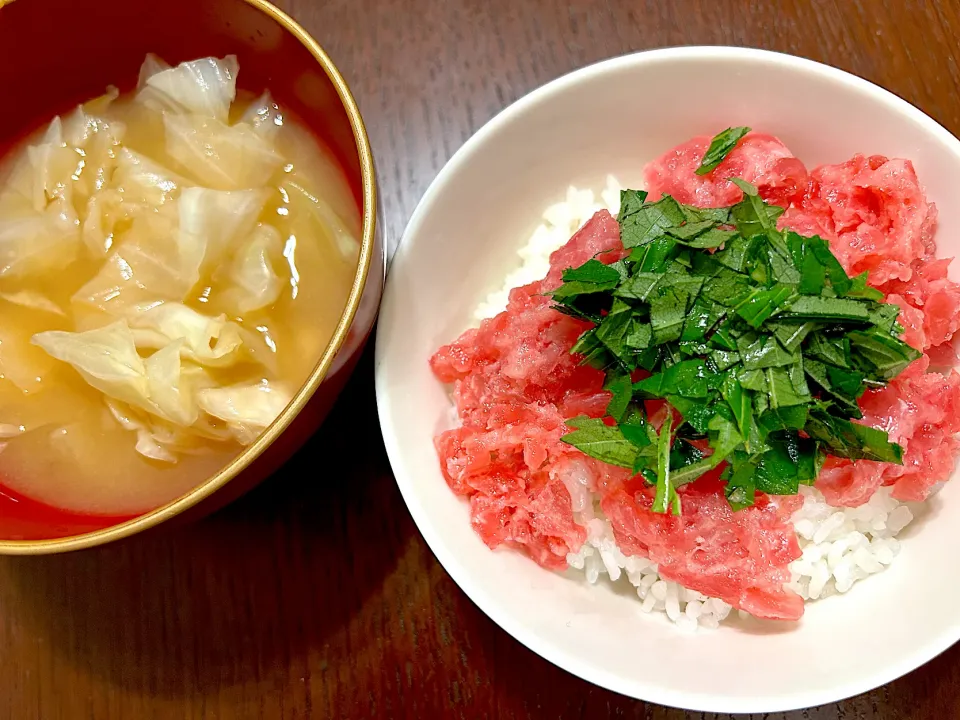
(755, 336)
(720, 147)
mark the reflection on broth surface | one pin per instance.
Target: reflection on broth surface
(172, 265)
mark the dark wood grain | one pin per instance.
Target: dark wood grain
(315, 596)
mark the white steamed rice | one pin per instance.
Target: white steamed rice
(841, 546)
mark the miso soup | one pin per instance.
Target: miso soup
(172, 265)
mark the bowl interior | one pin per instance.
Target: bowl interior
(81, 51)
(57, 53)
(461, 243)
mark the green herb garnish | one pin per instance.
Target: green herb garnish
(720, 147)
(755, 336)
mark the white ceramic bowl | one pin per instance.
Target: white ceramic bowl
(461, 242)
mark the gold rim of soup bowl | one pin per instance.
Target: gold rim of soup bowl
(249, 454)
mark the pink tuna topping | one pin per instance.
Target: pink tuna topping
(516, 382)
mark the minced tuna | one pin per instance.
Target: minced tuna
(515, 382)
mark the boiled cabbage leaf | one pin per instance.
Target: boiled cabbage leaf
(247, 409)
(211, 221)
(53, 164)
(147, 444)
(145, 182)
(251, 281)
(260, 345)
(329, 221)
(97, 144)
(33, 300)
(220, 156)
(22, 364)
(152, 64)
(99, 220)
(31, 242)
(71, 166)
(137, 186)
(169, 390)
(204, 87)
(105, 357)
(145, 268)
(86, 121)
(209, 341)
(160, 439)
(316, 174)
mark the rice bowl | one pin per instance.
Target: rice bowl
(841, 545)
(575, 132)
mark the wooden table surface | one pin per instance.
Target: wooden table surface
(315, 596)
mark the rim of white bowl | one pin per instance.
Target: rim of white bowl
(636, 688)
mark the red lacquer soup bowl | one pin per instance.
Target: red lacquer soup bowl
(55, 54)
